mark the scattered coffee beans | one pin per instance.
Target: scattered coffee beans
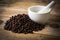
(22, 24)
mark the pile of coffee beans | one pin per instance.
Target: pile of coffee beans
(21, 23)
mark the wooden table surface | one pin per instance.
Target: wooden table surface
(21, 8)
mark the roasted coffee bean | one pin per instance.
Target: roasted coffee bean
(21, 23)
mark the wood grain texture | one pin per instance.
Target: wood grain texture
(8, 35)
(11, 9)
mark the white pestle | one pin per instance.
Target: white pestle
(50, 5)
